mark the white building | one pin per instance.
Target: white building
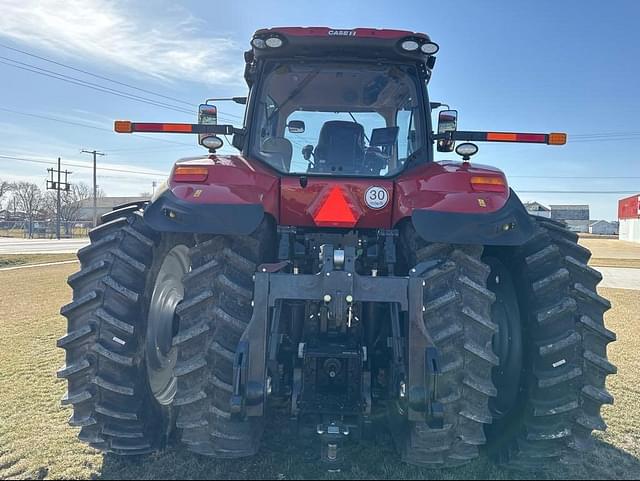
(603, 227)
(105, 204)
(535, 208)
(575, 216)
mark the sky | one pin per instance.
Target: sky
(544, 66)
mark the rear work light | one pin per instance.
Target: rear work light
(410, 45)
(413, 44)
(272, 41)
(488, 184)
(188, 173)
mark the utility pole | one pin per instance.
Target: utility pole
(58, 186)
(95, 153)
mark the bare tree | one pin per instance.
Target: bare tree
(71, 203)
(30, 200)
(4, 188)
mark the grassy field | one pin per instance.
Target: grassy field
(36, 442)
(612, 252)
(16, 260)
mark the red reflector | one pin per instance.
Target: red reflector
(335, 211)
(156, 127)
(516, 137)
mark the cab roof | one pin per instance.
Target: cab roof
(334, 42)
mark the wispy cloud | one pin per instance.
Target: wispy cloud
(169, 48)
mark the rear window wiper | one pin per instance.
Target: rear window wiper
(295, 93)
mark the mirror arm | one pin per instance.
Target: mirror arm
(443, 136)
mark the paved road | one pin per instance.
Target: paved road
(41, 246)
(615, 277)
(620, 277)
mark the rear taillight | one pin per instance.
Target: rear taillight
(190, 174)
(488, 184)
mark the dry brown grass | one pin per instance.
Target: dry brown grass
(612, 252)
(36, 442)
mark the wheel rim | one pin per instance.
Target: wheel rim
(507, 343)
(160, 355)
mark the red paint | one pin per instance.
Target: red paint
(325, 32)
(629, 208)
(446, 187)
(516, 137)
(333, 210)
(232, 179)
(332, 202)
(298, 204)
(162, 127)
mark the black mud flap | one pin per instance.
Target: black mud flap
(510, 226)
(168, 213)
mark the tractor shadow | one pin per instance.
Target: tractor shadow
(285, 456)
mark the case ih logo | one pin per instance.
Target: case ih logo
(342, 33)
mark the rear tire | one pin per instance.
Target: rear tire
(457, 315)
(107, 346)
(562, 384)
(213, 316)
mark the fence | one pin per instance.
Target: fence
(44, 229)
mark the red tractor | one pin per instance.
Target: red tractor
(333, 272)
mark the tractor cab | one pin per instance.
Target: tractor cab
(339, 102)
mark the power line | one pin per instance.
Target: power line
(108, 79)
(618, 192)
(110, 169)
(97, 76)
(78, 124)
(607, 133)
(83, 83)
(594, 177)
(94, 86)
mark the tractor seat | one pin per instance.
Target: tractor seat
(340, 147)
(278, 152)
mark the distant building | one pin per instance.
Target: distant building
(629, 215)
(603, 227)
(105, 204)
(535, 208)
(575, 216)
(12, 215)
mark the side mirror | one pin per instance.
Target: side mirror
(447, 122)
(208, 115)
(307, 151)
(296, 126)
